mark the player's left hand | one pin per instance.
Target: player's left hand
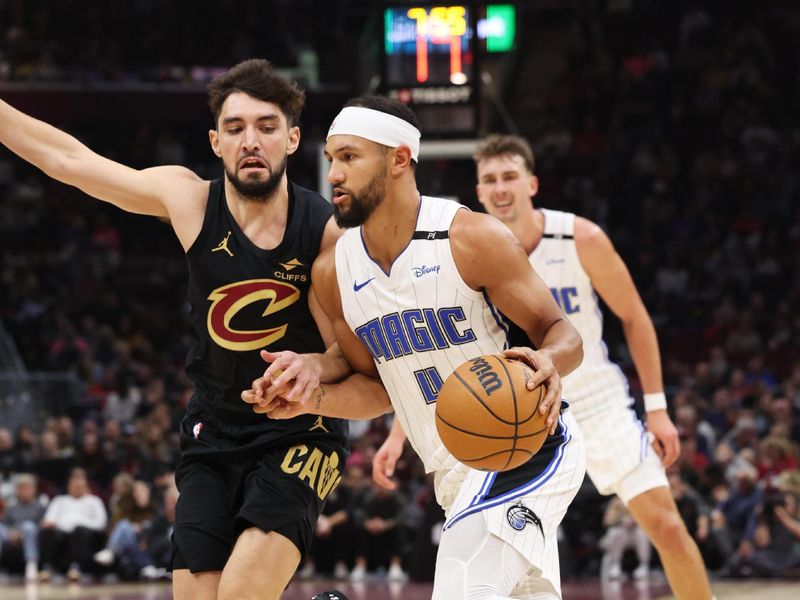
(665, 436)
(544, 373)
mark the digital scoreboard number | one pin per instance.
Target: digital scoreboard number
(429, 60)
(428, 45)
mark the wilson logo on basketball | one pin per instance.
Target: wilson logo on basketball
(488, 377)
(229, 300)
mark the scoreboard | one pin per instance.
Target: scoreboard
(428, 45)
(429, 65)
(431, 62)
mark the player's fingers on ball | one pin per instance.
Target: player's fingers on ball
(537, 379)
(526, 355)
(552, 396)
(553, 416)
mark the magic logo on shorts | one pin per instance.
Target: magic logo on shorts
(229, 300)
(321, 471)
(519, 516)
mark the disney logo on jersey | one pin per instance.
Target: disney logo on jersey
(414, 330)
(424, 270)
(518, 516)
(229, 300)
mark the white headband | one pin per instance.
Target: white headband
(376, 126)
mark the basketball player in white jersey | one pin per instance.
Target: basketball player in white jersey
(577, 261)
(417, 287)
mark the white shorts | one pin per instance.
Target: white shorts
(619, 457)
(524, 506)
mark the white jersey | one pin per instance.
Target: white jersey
(598, 382)
(419, 321)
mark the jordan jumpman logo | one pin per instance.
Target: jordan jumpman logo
(223, 245)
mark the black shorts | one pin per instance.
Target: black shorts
(280, 486)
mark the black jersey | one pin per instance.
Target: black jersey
(243, 299)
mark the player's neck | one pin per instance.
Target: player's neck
(388, 230)
(263, 221)
(528, 229)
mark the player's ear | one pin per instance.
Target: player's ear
(401, 159)
(213, 138)
(533, 186)
(478, 193)
(294, 140)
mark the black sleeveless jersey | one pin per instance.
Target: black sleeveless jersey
(243, 299)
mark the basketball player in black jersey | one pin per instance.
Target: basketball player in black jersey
(251, 488)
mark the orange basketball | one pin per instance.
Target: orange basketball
(487, 417)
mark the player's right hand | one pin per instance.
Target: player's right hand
(385, 461)
(544, 374)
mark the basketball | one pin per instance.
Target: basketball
(487, 417)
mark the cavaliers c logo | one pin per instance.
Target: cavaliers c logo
(230, 299)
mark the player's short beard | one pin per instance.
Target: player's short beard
(256, 190)
(363, 204)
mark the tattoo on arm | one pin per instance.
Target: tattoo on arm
(320, 396)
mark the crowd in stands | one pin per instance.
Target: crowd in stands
(79, 42)
(674, 127)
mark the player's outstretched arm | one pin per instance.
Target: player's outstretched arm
(490, 259)
(613, 282)
(63, 157)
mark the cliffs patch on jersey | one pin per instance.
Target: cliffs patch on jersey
(234, 299)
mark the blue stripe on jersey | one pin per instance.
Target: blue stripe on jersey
(487, 485)
(644, 444)
(497, 317)
(530, 486)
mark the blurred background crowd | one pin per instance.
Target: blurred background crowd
(672, 125)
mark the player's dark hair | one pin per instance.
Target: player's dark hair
(257, 77)
(388, 106)
(505, 145)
